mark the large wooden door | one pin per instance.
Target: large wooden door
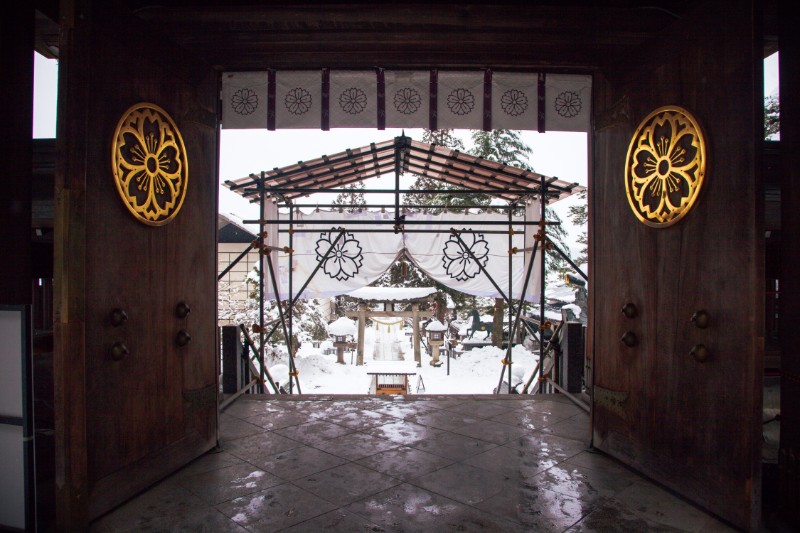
(133, 404)
(693, 425)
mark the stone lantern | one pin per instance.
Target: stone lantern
(435, 332)
(340, 329)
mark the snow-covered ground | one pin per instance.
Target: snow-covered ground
(476, 371)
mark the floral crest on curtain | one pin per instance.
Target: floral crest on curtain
(457, 260)
(345, 260)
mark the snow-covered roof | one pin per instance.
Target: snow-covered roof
(561, 293)
(574, 308)
(391, 293)
(342, 326)
(391, 367)
(548, 314)
(435, 325)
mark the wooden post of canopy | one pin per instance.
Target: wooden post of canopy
(362, 324)
(415, 339)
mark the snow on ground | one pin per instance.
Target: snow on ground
(476, 371)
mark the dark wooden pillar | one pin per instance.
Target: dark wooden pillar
(789, 455)
(572, 359)
(16, 130)
(233, 370)
(69, 270)
(497, 323)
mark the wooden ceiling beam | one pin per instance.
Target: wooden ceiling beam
(419, 36)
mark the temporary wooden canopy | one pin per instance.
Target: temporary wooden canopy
(403, 155)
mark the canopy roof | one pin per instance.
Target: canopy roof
(403, 155)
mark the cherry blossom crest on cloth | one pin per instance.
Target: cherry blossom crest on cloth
(466, 264)
(473, 99)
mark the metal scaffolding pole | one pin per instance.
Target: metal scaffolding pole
(447, 207)
(513, 331)
(281, 316)
(289, 339)
(510, 308)
(543, 238)
(250, 346)
(235, 262)
(555, 247)
(392, 222)
(314, 190)
(397, 187)
(550, 345)
(399, 223)
(405, 230)
(293, 301)
(261, 289)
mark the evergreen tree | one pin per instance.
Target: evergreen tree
(579, 216)
(443, 138)
(505, 146)
(502, 146)
(353, 200)
(453, 201)
(556, 265)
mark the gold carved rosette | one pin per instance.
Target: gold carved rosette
(150, 164)
(665, 167)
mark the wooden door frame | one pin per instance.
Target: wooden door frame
(79, 498)
(789, 454)
(624, 115)
(70, 243)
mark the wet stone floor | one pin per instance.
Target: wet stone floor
(405, 464)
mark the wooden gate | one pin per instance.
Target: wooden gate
(688, 418)
(136, 344)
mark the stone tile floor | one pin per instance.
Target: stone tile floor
(402, 464)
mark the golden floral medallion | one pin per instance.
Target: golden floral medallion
(150, 166)
(665, 167)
